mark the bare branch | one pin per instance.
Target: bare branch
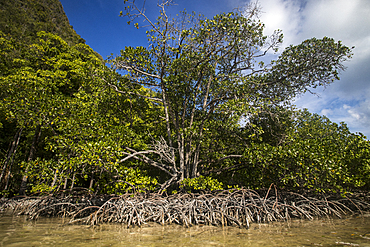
(137, 153)
(122, 65)
(132, 93)
(164, 151)
(140, 156)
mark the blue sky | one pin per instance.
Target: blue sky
(348, 100)
(98, 21)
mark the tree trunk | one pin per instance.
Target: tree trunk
(12, 160)
(55, 178)
(91, 181)
(12, 151)
(35, 140)
(65, 183)
(10, 156)
(73, 181)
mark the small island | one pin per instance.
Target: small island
(197, 128)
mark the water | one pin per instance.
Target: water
(351, 231)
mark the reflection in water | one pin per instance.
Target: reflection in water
(352, 231)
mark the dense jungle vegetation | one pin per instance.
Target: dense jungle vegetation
(198, 109)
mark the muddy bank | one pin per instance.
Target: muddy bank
(221, 208)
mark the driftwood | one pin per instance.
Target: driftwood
(222, 208)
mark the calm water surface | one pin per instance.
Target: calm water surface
(352, 231)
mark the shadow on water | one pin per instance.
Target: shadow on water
(350, 231)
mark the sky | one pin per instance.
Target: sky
(347, 100)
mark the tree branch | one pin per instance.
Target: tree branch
(121, 65)
(115, 88)
(147, 160)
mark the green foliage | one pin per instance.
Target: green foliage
(62, 89)
(313, 63)
(317, 154)
(41, 173)
(201, 183)
(134, 181)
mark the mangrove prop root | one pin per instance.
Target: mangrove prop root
(223, 208)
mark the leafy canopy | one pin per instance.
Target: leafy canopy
(207, 74)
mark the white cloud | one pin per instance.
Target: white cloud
(345, 20)
(283, 15)
(326, 112)
(357, 117)
(346, 107)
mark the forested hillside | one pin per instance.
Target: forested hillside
(198, 109)
(22, 19)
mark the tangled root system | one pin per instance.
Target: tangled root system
(222, 208)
